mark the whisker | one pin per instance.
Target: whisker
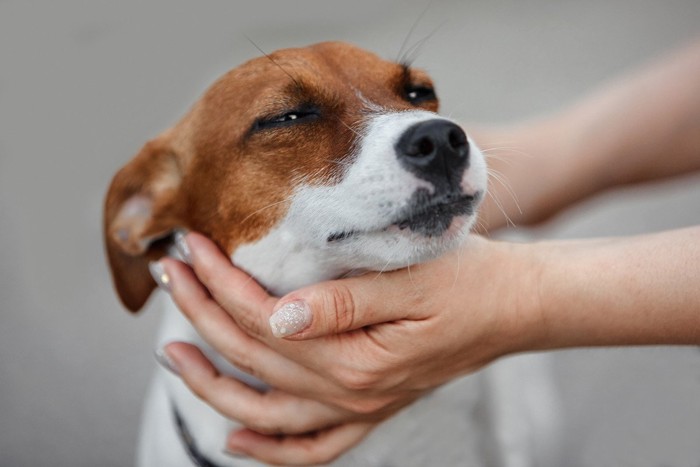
(400, 56)
(294, 80)
(504, 183)
(505, 141)
(349, 273)
(480, 226)
(509, 221)
(343, 163)
(415, 48)
(383, 269)
(510, 149)
(271, 205)
(356, 132)
(506, 160)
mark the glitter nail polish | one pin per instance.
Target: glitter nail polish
(292, 318)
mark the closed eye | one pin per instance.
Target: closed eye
(293, 117)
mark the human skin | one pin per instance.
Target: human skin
(580, 293)
(373, 342)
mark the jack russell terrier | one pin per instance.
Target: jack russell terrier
(305, 165)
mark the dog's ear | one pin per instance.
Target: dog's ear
(140, 211)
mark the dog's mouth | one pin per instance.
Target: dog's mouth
(425, 214)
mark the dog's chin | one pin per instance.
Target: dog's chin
(431, 216)
(397, 246)
(428, 226)
(433, 232)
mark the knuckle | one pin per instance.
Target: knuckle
(366, 406)
(341, 301)
(204, 389)
(356, 380)
(206, 274)
(238, 412)
(249, 324)
(198, 389)
(265, 427)
(241, 360)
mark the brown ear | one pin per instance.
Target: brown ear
(140, 210)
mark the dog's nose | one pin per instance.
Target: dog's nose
(436, 150)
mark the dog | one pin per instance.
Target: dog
(305, 165)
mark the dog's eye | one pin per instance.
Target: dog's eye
(288, 118)
(420, 94)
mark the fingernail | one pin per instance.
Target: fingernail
(292, 318)
(165, 361)
(182, 247)
(159, 275)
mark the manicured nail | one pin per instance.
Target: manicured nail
(182, 248)
(292, 318)
(159, 275)
(165, 361)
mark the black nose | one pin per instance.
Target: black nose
(435, 150)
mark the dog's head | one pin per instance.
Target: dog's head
(328, 150)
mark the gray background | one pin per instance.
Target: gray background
(83, 84)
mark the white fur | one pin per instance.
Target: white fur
(373, 191)
(464, 423)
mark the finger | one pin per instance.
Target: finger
(271, 412)
(211, 321)
(310, 449)
(231, 289)
(245, 352)
(238, 293)
(334, 307)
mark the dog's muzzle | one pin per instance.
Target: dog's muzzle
(436, 151)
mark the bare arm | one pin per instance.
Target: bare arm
(640, 127)
(625, 291)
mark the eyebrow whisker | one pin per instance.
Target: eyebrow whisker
(400, 56)
(294, 80)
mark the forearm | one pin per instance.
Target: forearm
(640, 127)
(627, 291)
(646, 125)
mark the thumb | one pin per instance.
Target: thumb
(339, 306)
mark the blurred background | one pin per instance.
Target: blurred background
(84, 84)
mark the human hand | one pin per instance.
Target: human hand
(373, 344)
(280, 427)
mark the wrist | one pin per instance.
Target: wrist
(551, 288)
(565, 285)
(522, 325)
